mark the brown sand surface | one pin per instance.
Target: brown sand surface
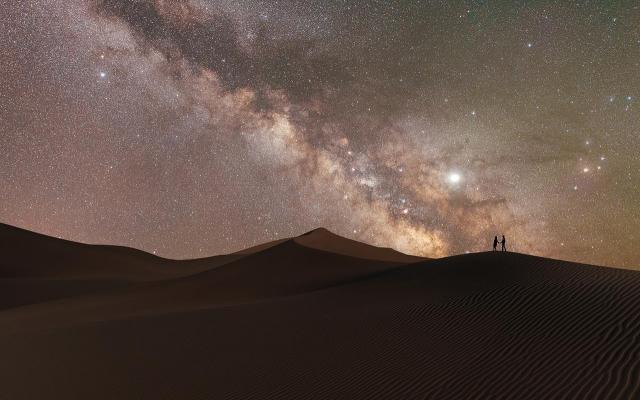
(295, 320)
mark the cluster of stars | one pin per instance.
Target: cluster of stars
(196, 128)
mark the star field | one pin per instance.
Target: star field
(189, 128)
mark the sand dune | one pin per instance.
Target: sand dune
(36, 268)
(280, 268)
(322, 239)
(28, 254)
(318, 317)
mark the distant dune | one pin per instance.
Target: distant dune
(312, 317)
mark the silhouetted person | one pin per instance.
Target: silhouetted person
(495, 243)
(504, 243)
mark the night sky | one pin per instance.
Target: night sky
(190, 128)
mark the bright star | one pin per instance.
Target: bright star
(454, 177)
(103, 74)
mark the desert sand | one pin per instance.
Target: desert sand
(312, 317)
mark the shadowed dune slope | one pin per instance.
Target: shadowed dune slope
(26, 254)
(293, 322)
(325, 240)
(283, 270)
(36, 268)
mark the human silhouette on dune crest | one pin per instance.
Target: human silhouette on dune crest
(504, 243)
(495, 243)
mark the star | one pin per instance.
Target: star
(286, 109)
(454, 177)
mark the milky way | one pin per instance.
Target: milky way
(190, 128)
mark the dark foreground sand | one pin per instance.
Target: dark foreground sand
(315, 317)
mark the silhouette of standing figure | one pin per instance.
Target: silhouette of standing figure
(495, 243)
(504, 243)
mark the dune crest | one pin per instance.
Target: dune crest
(323, 239)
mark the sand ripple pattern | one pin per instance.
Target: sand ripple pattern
(480, 326)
